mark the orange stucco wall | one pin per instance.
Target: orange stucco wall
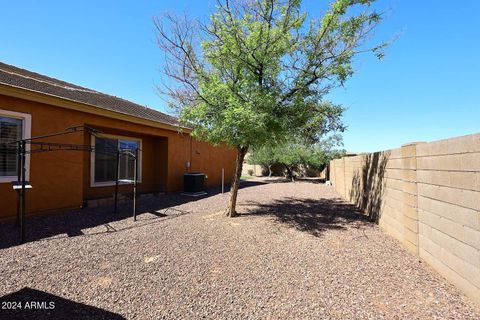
(61, 179)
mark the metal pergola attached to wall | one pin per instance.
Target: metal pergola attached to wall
(134, 155)
(21, 185)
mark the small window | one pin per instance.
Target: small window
(10, 131)
(13, 126)
(105, 163)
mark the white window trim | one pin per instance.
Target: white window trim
(92, 161)
(26, 134)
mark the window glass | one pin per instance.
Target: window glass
(127, 161)
(10, 131)
(106, 159)
(128, 145)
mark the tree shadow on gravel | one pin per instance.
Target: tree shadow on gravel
(310, 215)
(32, 304)
(71, 223)
(277, 179)
(313, 180)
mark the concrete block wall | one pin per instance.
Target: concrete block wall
(426, 195)
(448, 181)
(389, 214)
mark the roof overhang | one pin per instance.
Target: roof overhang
(31, 95)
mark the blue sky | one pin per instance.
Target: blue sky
(427, 88)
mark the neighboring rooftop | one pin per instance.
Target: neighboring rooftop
(28, 80)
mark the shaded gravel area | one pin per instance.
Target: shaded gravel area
(297, 251)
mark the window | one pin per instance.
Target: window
(105, 159)
(127, 162)
(13, 126)
(10, 131)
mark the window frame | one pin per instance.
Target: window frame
(94, 184)
(26, 134)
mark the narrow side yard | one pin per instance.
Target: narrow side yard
(296, 252)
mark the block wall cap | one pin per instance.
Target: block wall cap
(412, 143)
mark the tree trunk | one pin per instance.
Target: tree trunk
(269, 171)
(242, 151)
(289, 174)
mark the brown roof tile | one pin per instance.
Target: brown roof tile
(17, 77)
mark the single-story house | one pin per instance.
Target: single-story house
(32, 105)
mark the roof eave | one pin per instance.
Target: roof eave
(41, 97)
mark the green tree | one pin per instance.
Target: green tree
(265, 156)
(258, 70)
(293, 155)
(323, 151)
(296, 155)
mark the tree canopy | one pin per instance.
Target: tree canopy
(258, 71)
(294, 155)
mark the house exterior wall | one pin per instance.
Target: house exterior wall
(426, 195)
(61, 179)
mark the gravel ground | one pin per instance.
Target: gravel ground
(296, 252)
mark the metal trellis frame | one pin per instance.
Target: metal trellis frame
(21, 185)
(134, 155)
